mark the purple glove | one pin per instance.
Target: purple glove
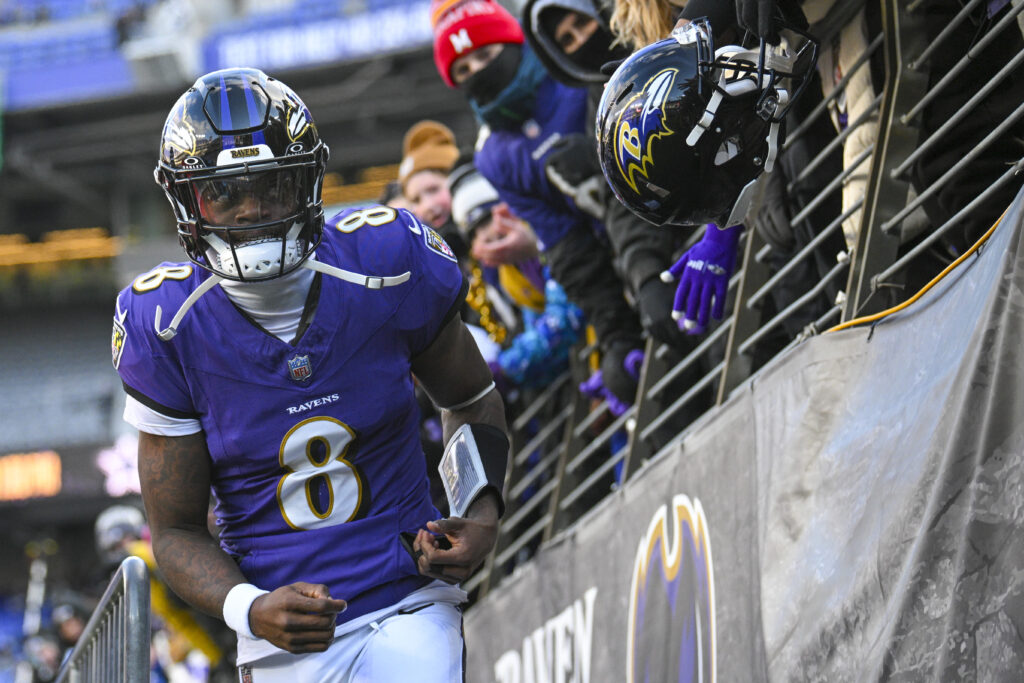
(594, 386)
(703, 273)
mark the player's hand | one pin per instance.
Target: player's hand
(471, 541)
(298, 617)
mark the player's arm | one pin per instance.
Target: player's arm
(175, 475)
(453, 373)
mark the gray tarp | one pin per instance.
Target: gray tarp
(864, 500)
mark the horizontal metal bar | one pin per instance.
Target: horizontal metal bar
(952, 26)
(762, 253)
(835, 142)
(838, 90)
(470, 584)
(586, 351)
(540, 401)
(526, 536)
(900, 263)
(831, 187)
(542, 435)
(690, 359)
(600, 440)
(795, 306)
(713, 375)
(802, 254)
(890, 224)
(966, 110)
(536, 471)
(964, 61)
(540, 497)
(585, 485)
(834, 312)
(592, 417)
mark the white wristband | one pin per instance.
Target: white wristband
(237, 604)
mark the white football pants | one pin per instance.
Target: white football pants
(423, 645)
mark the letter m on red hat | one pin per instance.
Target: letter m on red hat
(461, 41)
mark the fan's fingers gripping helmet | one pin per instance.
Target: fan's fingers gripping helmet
(685, 130)
(242, 165)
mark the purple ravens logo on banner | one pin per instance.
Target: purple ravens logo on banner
(645, 123)
(672, 599)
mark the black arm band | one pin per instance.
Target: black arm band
(474, 462)
(494, 448)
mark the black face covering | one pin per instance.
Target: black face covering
(484, 85)
(597, 51)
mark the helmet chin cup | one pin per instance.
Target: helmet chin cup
(260, 259)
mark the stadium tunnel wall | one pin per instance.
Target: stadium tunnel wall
(853, 512)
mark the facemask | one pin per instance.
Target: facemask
(483, 86)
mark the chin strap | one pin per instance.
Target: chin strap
(773, 99)
(368, 281)
(172, 329)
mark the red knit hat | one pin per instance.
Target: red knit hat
(461, 26)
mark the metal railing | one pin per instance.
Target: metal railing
(114, 647)
(859, 218)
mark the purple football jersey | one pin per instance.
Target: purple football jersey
(316, 459)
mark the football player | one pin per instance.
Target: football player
(283, 382)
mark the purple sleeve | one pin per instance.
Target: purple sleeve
(509, 165)
(437, 288)
(148, 367)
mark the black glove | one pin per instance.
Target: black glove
(619, 376)
(763, 17)
(573, 168)
(654, 301)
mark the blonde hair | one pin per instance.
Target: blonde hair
(636, 23)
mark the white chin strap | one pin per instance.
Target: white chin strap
(368, 281)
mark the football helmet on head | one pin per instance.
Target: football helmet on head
(685, 130)
(242, 164)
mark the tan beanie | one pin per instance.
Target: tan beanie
(428, 145)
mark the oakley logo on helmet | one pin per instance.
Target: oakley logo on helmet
(635, 135)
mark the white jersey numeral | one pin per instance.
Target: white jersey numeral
(313, 453)
(375, 216)
(154, 278)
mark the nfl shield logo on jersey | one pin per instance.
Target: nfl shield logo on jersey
(300, 368)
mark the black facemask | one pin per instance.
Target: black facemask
(486, 84)
(597, 51)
